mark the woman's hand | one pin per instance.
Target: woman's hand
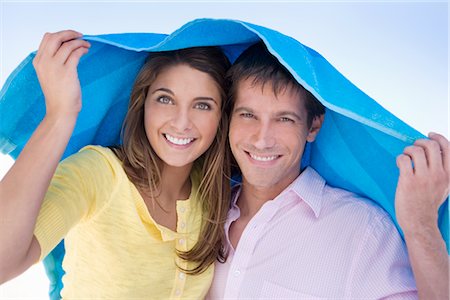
(56, 66)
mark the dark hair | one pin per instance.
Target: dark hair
(141, 163)
(257, 63)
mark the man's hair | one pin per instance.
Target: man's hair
(257, 63)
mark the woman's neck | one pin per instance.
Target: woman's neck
(175, 184)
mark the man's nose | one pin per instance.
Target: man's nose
(264, 136)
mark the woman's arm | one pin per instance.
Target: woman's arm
(24, 186)
(420, 192)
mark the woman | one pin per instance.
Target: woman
(143, 220)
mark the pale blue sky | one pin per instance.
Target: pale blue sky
(396, 52)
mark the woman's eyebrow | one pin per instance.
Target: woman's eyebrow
(163, 90)
(206, 99)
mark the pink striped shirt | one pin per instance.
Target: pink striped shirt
(314, 241)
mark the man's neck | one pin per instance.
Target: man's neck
(250, 201)
(252, 197)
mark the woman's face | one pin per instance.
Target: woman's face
(182, 114)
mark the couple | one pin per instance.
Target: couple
(147, 219)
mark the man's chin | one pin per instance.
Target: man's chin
(260, 181)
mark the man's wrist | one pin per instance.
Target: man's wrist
(425, 235)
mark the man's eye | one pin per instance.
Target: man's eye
(247, 115)
(202, 106)
(284, 119)
(164, 100)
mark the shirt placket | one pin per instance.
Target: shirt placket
(181, 244)
(244, 252)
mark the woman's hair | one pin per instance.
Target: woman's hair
(143, 166)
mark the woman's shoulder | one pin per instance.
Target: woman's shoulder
(98, 151)
(94, 157)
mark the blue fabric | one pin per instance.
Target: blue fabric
(355, 150)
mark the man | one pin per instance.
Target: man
(289, 234)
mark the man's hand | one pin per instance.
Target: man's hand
(423, 184)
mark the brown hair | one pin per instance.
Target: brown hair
(257, 63)
(141, 163)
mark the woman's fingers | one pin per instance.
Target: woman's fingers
(67, 49)
(57, 47)
(56, 67)
(55, 40)
(74, 57)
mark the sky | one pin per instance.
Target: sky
(394, 51)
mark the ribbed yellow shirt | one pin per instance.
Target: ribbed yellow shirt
(114, 249)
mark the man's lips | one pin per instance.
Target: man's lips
(263, 158)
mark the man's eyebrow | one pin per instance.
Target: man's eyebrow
(242, 109)
(277, 114)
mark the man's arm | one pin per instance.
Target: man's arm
(422, 187)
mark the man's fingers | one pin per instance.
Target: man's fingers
(404, 165)
(432, 151)
(444, 146)
(418, 157)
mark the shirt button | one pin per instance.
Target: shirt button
(182, 224)
(237, 273)
(181, 275)
(177, 292)
(182, 209)
(181, 241)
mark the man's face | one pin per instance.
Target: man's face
(268, 134)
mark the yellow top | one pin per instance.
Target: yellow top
(114, 249)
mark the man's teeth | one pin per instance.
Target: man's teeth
(178, 141)
(263, 158)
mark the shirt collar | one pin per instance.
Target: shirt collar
(308, 186)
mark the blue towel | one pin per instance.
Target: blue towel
(355, 150)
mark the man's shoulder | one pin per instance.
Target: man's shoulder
(336, 196)
(361, 209)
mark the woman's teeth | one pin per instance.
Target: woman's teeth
(178, 141)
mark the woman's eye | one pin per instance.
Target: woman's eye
(203, 106)
(164, 100)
